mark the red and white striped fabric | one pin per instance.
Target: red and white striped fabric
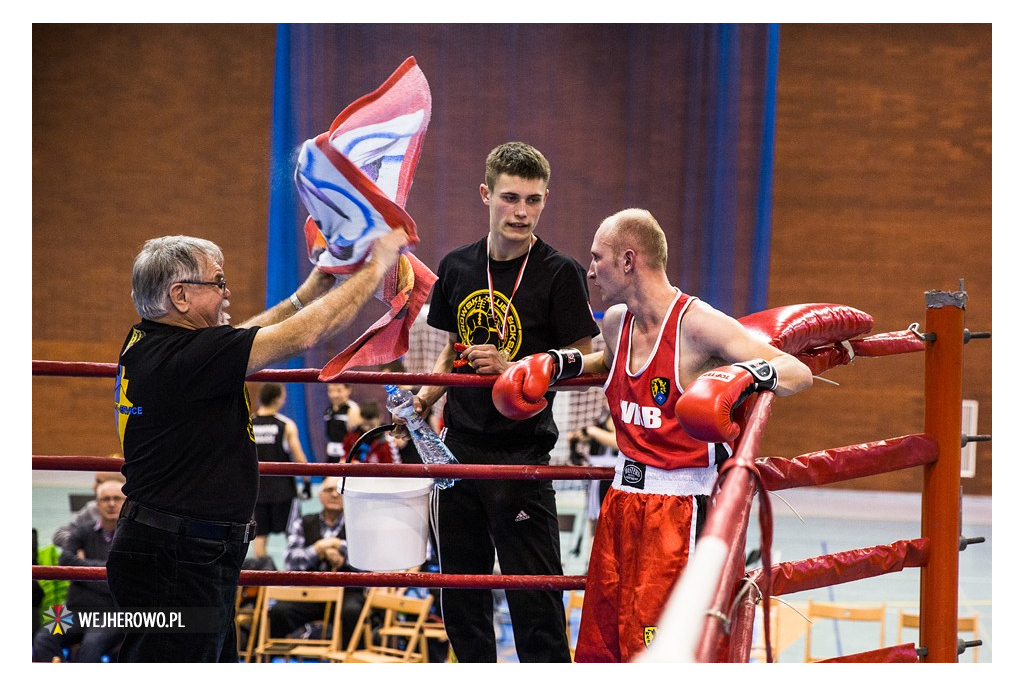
(354, 180)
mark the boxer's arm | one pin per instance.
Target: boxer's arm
(486, 359)
(596, 362)
(584, 345)
(601, 362)
(718, 336)
(705, 409)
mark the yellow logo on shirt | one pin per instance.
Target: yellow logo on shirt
(248, 412)
(649, 633)
(123, 407)
(476, 326)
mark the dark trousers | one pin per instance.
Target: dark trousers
(154, 569)
(93, 644)
(518, 521)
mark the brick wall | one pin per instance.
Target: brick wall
(883, 191)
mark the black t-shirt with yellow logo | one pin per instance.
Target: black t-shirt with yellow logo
(549, 309)
(182, 413)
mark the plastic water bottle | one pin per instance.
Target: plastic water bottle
(432, 450)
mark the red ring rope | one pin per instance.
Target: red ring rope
(478, 471)
(109, 370)
(350, 579)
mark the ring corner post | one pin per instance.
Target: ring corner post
(940, 514)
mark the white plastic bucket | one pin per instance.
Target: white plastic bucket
(387, 521)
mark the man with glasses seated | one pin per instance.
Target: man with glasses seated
(88, 544)
(90, 512)
(183, 415)
(316, 542)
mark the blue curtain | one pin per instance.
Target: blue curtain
(702, 141)
(287, 262)
(676, 118)
(724, 235)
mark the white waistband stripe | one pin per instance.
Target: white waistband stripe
(692, 481)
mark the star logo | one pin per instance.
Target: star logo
(59, 619)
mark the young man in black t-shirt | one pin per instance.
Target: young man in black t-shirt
(506, 296)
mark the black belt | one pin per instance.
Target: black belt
(211, 530)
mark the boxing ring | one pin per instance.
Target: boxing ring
(710, 614)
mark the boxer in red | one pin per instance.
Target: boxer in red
(666, 353)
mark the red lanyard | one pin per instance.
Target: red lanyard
(490, 288)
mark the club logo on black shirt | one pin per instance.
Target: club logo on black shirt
(476, 327)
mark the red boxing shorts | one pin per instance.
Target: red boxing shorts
(643, 541)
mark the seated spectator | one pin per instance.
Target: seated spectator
(88, 513)
(88, 544)
(316, 542)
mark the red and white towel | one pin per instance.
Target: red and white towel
(354, 180)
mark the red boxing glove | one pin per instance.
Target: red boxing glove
(519, 391)
(704, 410)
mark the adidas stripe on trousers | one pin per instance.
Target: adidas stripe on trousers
(516, 522)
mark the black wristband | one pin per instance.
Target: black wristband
(568, 363)
(765, 375)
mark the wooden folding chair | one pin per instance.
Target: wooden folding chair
(398, 640)
(433, 627)
(843, 612)
(247, 617)
(301, 648)
(575, 603)
(964, 624)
